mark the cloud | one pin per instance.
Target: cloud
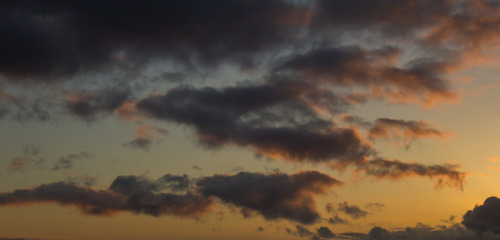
(420, 81)
(393, 18)
(375, 206)
(351, 210)
(144, 135)
(280, 123)
(274, 196)
(337, 220)
(403, 130)
(72, 38)
(31, 149)
(446, 175)
(302, 231)
(485, 217)
(22, 108)
(126, 193)
(325, 232)
(422, 231)
(88, 106)
(66, 162)
(22, 162)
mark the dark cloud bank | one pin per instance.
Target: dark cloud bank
(274, 196)
(309, 70)
(288, 113)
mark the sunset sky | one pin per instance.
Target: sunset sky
(249, 119)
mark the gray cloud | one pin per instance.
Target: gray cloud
(485, 217)
(403, 130)
(325, 232)
(67, 162)
(81, 40)
(280, 123)
(125, 194)
(88, 106)
(421, 231)
(274, 196)
(337, 220)
(446, 174)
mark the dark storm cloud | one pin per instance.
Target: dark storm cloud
(67, 162)
(46, 39)
(446, 174)
(274, 196)
(126, 193)
(276, 119)
(302, 231)
(485, 217)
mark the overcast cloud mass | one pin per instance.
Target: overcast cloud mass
(304, 85)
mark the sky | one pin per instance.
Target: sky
(249, 119)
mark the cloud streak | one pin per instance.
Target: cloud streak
(446, 175)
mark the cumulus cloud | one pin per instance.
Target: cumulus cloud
(274, 196)
(485, 217)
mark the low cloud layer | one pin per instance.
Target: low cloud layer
(422, 231)
(125, 194)
(274, 196)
